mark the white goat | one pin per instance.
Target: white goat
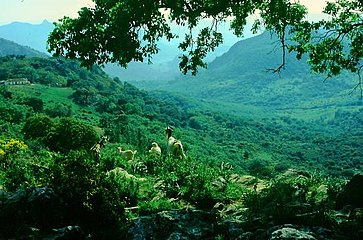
(127, 154)
(97, 147)
(175, 147)
(155, 149)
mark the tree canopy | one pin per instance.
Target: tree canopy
(122, 31)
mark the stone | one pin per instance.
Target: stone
(288, 233)
(175, 224)
(352, 193)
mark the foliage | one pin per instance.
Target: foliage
(70, 134)
(62, 135)
(199, 184)
(294, 199)
(35, 103)
(18, 168)
(95, 200)
(217, 145)
(38, 127)
(59, 110)
(11, 113)
(95, 36)
(333, 45)
(139, 31)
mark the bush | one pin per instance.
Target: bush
(35, 103)
(296, 200)
(18, 168)
(11, 113)
(197, 183)
(95, 200)
(59, 110)
(38, 127)
(70, 134)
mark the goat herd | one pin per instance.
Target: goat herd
(174, 149)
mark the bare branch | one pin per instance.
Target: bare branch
(284, 47)
(359, 84)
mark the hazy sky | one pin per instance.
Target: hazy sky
(35, 11)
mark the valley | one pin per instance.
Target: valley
(263, 151)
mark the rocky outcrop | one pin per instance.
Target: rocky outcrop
(177, 224)
(352, 193)
(35, 213)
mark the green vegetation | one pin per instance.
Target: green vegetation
(48, 130)
(11, 48)
(119, 31)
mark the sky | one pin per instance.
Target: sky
(35, 11)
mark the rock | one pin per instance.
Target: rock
(232, 228)
(176, 224)
(288, 233)
(248, 181)
(67, 233)
(352, 193)
(38, 208)
(294, 173)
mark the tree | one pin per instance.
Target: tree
(70, 134)
(123, 31)
(336, 44)
(36, 103)
(38, 126)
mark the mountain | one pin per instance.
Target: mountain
(165, 64)
(241, 78)
(32, 35)
(11, 48)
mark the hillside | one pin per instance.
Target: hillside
(165, 64)
(205, 127)
(241, 80)
(237, 167)
(11, 48)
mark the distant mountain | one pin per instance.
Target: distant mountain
(32, 35)
(165, 64)
(11, 48)
(241, 77)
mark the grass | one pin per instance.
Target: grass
(52, 95)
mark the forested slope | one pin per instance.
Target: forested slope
(243, 77)
(11, 48)
(49, 126)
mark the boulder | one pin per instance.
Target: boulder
(288, 233)
(352, 193)
(36, 207)
(175, 224)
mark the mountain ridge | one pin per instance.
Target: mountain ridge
(8, 47)
(241, 76)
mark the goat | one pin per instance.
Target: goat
(155, 149)
(98, 146)
(121, 172)
(127, 154)
(175, 146)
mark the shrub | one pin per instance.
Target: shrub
(17, 167)
(59, 110)
(95, 200)
(35, 103)
(197, 183)
(70, 134)
(296, 200)
(38, 127)
(155, 206)
(11, 113)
